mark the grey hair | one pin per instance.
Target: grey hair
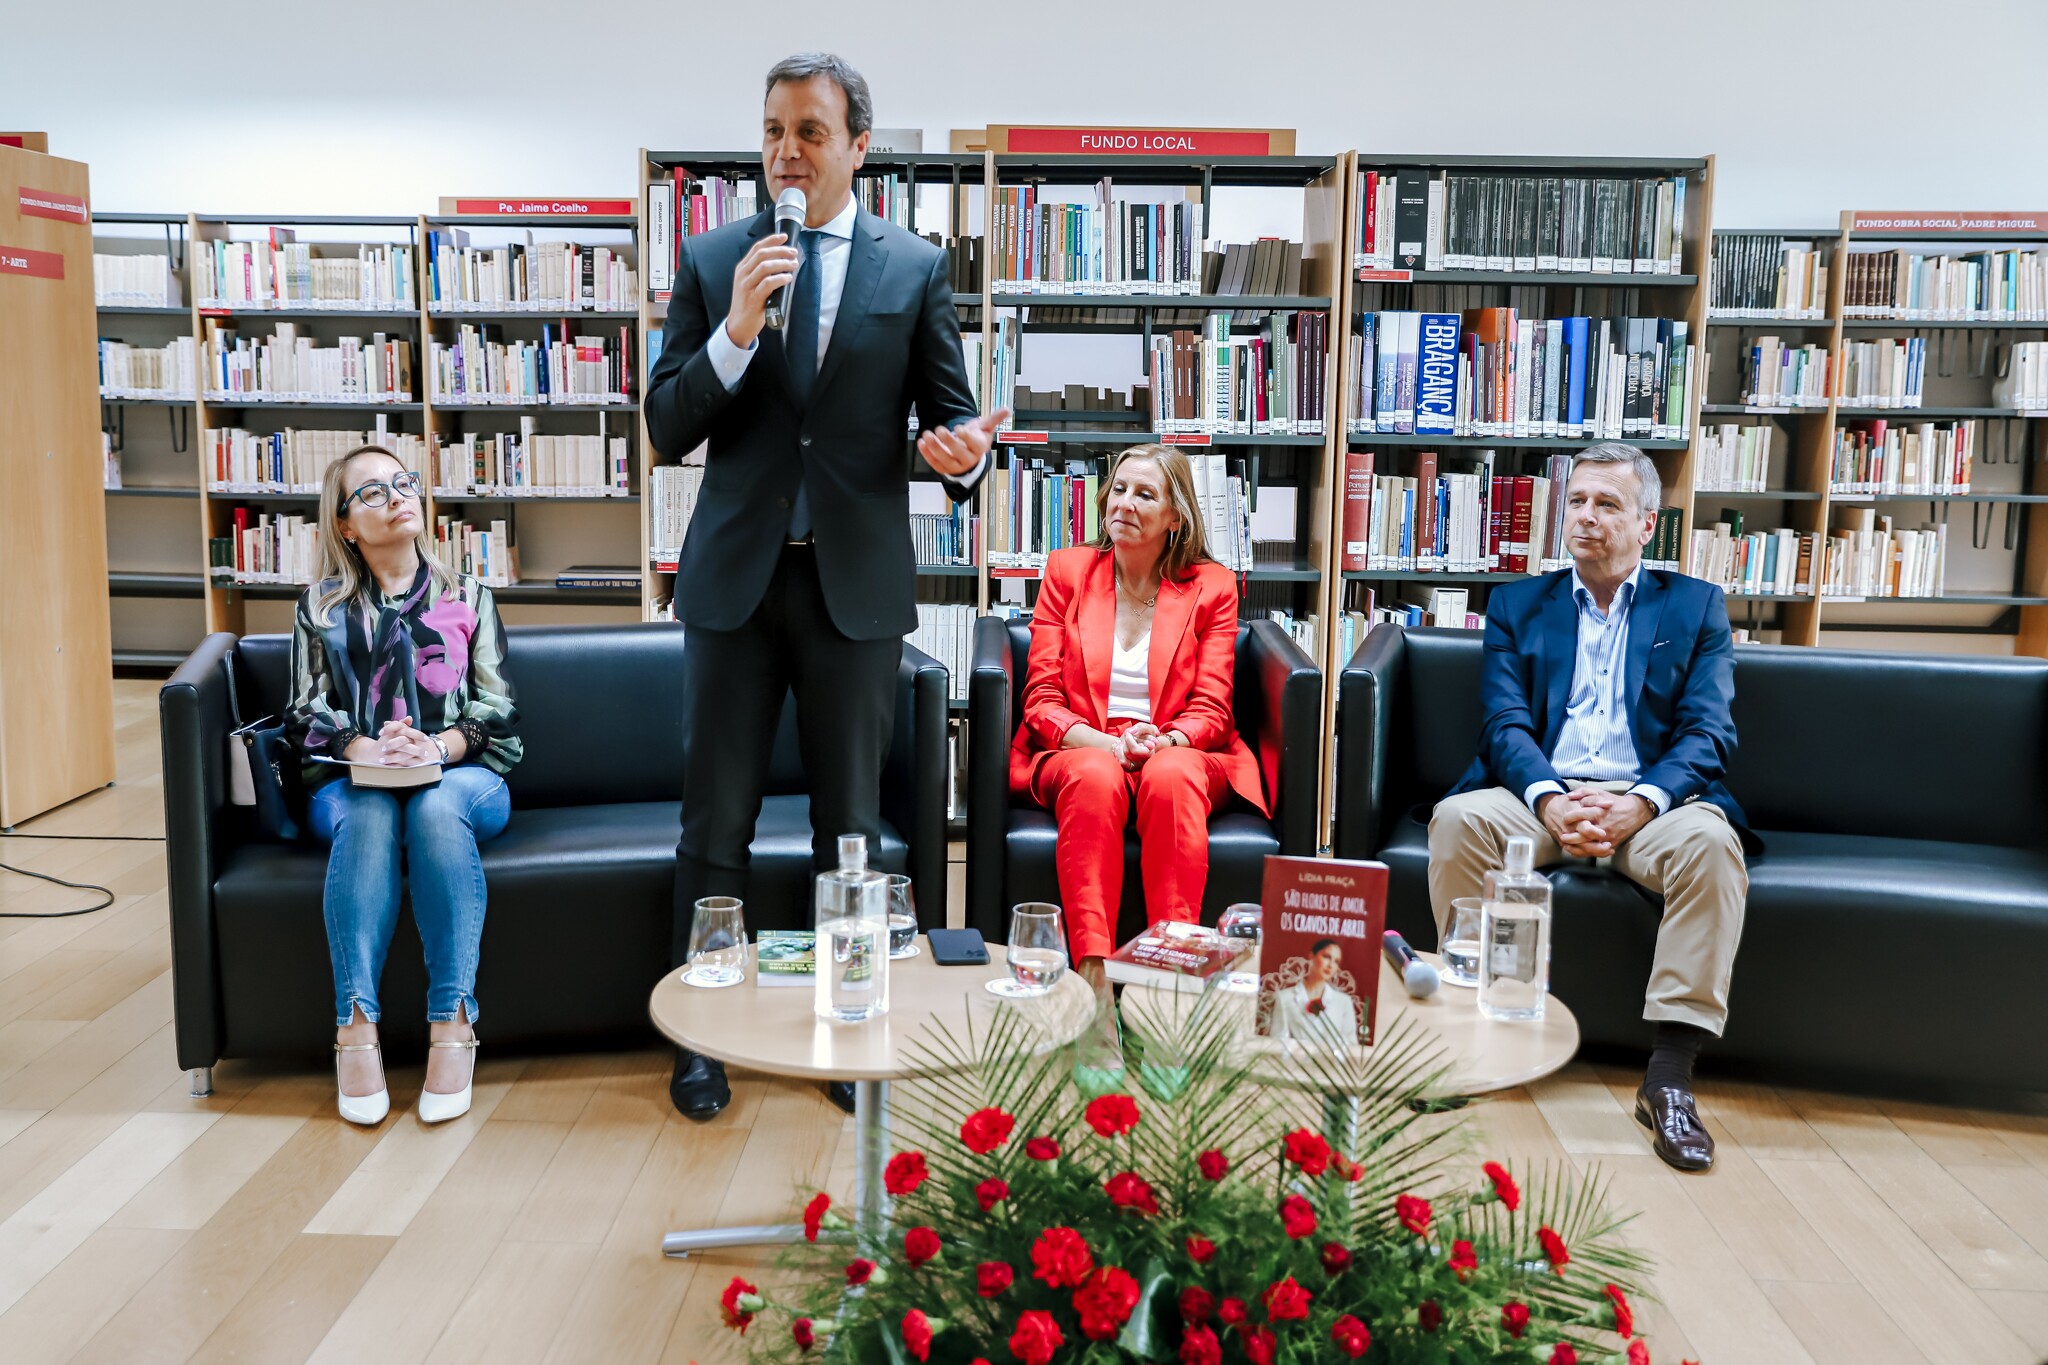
(1649, 487)
(860, 106)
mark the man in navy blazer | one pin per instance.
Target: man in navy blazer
(1605, 693)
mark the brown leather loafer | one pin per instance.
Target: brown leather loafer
(1675, 1128)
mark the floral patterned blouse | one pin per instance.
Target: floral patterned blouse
(383, 657)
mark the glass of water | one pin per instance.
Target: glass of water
(902, 918)
(1037, 952)
(718, 942)
(1460, 945)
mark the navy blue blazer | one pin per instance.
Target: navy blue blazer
(1681, 685)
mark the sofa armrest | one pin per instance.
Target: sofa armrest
(1290, 723)
(989, 689)
(914, 778)
(1365, 695)
(195, 721)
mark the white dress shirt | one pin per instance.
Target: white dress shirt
(1594, 743)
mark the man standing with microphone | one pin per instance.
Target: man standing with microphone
(798, 573)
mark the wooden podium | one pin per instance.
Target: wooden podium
(56, 652)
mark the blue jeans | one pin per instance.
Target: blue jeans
(438, 829)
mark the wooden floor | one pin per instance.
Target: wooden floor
(138, 1225)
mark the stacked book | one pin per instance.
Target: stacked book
(945, 630)
(539, 277)
(282, 272)
(1880, 457)
(1102, 246)
(292, 461)
(1269, 383)
(484, 552)
(1735, 458)
(2025, 384)
(484, 367)
(1886, 372)
(1753, 564)
(531, 465)
(134, 282)
(1758, 275)
(167, 371)
(1775, 375)
(287, 367)
(266, 547)
(1868, 556)
(671, 499)
(1424, 219)
(598, 576)
(1987, 286)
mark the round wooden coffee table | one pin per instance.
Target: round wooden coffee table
(773, 1029)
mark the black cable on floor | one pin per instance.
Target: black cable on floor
(55, 914)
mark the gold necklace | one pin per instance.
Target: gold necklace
(1145, 602)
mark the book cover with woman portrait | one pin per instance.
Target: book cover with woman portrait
(1319, 954)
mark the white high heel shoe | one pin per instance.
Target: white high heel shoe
(439, 1108)
(368, 1110)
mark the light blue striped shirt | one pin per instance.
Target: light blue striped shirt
(1594, 744)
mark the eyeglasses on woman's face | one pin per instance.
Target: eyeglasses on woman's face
(378, 492)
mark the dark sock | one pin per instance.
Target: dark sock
(1672, 1056)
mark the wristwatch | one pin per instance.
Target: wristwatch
(442, 745)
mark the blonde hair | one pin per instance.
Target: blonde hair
(1186, 546)
(343, 576)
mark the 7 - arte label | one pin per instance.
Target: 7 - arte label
(21, 260)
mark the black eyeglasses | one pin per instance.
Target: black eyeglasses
(376, 494)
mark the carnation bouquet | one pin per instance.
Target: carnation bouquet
(1206, 1217)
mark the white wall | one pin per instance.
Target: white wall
(381, 107)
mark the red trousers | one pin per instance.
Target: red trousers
(1090, 795)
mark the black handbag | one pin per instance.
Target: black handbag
(263, 769)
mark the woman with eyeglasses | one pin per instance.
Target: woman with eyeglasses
(398, 660)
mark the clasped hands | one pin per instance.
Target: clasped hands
(399, 745)
(1133, 746)
(1592, 823)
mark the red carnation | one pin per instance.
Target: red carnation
(1297, 1216)
(1286, 1301)
(1315, 1006)
(1515, 1318)
(1036, 1338)
(858, 1270)
(986, 1129)
(1624, 1320)
(1504, 1188)
(1413, 1213)
(1336, 1258)
(920, 1244)
(904, 1173)
(1638, 1353)
(814, 1215)
(1563, 1354)
(1196, 1304)
(917, 1334)
(992, 1192)
(1349, 1169)
(1061, 1258)
(1042, 1149)
(1112, 1115)
(1128, 1191)
(800, 1332)
(1350, 1335)
(1105, 1303)
(1200, 1347)
(1201, 1250)
(1259, 1346)
(739, 1303)
(1213, 1164)
(1232, 1312)
(1308, 1151)
(1463, 1259)
(1553, 1248)
(992, 1278)
(1428, 1316)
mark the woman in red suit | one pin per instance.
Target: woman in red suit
(1127, 700)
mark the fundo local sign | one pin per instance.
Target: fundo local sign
(1150, 141)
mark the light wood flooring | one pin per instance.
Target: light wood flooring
(139, 1225)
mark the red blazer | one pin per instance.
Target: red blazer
(1193, 659)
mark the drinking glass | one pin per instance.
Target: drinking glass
(1245, 920)
(1038, 950)
(1460, 945)
(902, 918)
(718, 942)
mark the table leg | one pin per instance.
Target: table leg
(681, 1244)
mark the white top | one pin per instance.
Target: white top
(1130, 679)
(1335, 1023)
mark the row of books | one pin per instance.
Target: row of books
(281, 272)
(1759, 275)
(1489, 372)
(686, 205)
(122, 281)
(888, 196)
(1869, 556)
(543, 277)
(944, 538)
(1449, 220)
(672, 491)
(167, 371)
(288, 367)
(292, 461)
(528, 464)
(2024, 385)
(1110, 246)
(266, 547)
(1878, 457)
(1269, 267)
(484, 552)
(1776, 375)
(1035, 508)
(1888, 372)
(945, 630)
(1754, 563)
(482, 366)
(1735, 458)
(2009, 286)
(1269, 383)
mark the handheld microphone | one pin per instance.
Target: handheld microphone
(790, 208)
(1418, 976)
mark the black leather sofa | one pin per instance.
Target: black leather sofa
(581, 881)
(1010, 841)
(1898, 916)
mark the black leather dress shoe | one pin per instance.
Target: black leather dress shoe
(841, 1094)
(698, 1089)
(1675, 1128)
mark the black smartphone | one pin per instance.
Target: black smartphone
(957, 947)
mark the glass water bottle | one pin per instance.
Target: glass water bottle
(853, 937)
(1514, 936)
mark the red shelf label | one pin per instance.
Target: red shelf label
(216, 312)
(1385, 276)
(1012, 573)
(65, 208)
(1184, 438)
(548, 208)
(1022, 438)
(41, 265)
